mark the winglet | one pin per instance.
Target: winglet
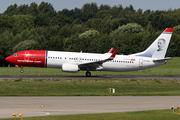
(169, 30)
(111, 50)
(114, 53)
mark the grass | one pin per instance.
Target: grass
(171, 68)
(166, 114)
(90, 87)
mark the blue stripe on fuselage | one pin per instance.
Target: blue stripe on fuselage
(46, 59)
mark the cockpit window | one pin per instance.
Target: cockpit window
(15, 54)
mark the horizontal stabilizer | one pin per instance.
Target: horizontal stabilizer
(168, 58)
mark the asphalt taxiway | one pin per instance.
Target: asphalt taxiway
(45, 106)
(92, 77)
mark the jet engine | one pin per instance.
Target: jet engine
(70, 68)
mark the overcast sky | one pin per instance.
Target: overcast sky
(71, 4)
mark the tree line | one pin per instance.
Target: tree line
(91, 28)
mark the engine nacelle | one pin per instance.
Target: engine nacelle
(70, 68)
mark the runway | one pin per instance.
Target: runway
(92, 77)
(45, 106)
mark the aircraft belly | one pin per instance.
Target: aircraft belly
(119, 67)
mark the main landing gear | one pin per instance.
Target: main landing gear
(22, 69)
(88, 74)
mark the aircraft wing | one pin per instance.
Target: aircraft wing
(96, 64)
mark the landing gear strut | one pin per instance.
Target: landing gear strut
(88, 74)
(22, 69)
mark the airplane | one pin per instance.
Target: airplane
(153, 56)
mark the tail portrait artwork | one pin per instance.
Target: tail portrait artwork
(159, 47)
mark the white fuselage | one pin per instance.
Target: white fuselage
(55, 59)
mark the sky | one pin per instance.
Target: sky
(71, 4)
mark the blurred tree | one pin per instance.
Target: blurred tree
(11, 10)
(6, 22)
(89, 33)
(60, 20)
(129, 28)
(55, 43)
(46, 9)
(5, 47)
(104, 7)
(26, 45)
(23, 22)
(22, 10)
(33, 9)
(90, 7)
(40, 21)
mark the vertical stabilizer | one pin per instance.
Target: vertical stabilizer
(159, 47)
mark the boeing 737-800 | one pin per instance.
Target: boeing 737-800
(153, 56)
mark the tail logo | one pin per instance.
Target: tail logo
(161, 44)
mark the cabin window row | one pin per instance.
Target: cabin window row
(121, 61)
(55, 57)
(37, 56)
(86, 59)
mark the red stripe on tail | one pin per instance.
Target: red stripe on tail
(169, 30)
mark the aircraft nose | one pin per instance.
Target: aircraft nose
(8, 59)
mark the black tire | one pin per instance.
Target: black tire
(88, 74)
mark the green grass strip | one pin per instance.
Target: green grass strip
(88, 87)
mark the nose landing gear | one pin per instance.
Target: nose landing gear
(88, 74)
(22, 69)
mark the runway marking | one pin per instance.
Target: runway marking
(37, 105)
(115, 104)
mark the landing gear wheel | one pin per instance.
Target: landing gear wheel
(22, 71)
(88, 74)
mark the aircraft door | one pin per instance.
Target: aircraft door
(76, 59)
(26, 57)
(140, 62)
(80, 59)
